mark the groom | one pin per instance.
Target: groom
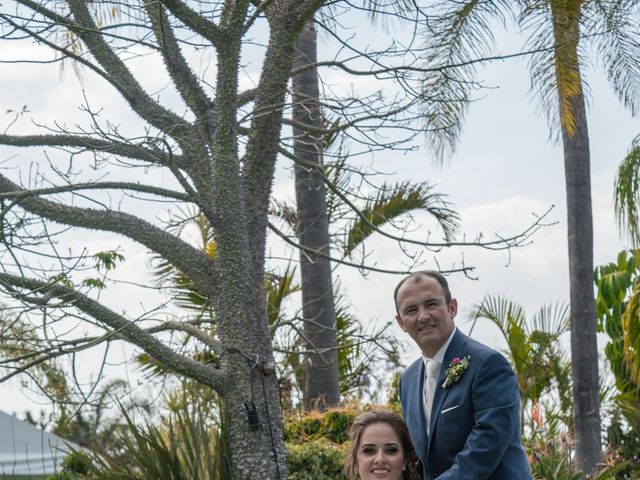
(460, 399)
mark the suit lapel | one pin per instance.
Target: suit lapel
(412, 400)
(455, 349)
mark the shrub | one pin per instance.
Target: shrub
(315, 460)
(316, 443)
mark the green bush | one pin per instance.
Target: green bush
(76, 462)
(315, 460)
(332, 424)
(316, 443)
(335, 424)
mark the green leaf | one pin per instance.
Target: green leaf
(107, 260)
(94, 283)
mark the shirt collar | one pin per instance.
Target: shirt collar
(439, 356)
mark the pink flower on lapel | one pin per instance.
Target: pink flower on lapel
(456, 369)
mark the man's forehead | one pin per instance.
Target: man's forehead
(423, 279)
(430, 288)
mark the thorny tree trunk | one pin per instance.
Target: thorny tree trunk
(584, 354)
(322, 387)
(251, 401)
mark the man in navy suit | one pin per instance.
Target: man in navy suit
(460, 399)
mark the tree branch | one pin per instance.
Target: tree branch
(122, 79)
(129, 150)
(501, 243)
(137, 187)
(207, 375)
(180, 72)
(196, 22)
(194, 263)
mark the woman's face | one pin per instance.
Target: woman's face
(380, 454)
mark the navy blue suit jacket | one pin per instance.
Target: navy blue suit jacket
(475, 429)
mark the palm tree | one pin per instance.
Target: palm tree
(560, 31)
(533, 349)
(313, 217)
(322, 388)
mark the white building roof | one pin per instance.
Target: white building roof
(28, 450)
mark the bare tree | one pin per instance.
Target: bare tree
(219, 147)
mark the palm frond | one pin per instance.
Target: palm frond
(618, 44)
(460, 34)
(393, 201)
(552, 319)
(167, 275)
(502, 312)
(569, 58)
(285, 212)
(542, 66)
(340, 177)
(629, 403)
(519, 343)
(278, 288)
(555, 64)
(627, 194)
(631, 335)
(363, 350)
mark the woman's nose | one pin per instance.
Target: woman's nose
(379, 456)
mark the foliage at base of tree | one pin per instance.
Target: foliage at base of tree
(315, 460)
(184, 447)
(332, 425)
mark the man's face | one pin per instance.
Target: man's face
(424, 313)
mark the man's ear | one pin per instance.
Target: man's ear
(453, 307)
(401, 323)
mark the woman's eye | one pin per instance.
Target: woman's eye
(368, 450)
(392, 450)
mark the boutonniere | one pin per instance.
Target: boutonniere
(456, 369)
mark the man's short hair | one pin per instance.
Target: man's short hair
(424, 273)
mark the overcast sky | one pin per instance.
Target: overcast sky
(504, 172)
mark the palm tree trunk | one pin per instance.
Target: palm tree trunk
(321, 375)
(575, 139)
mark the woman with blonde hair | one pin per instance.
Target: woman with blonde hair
(380, 448)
